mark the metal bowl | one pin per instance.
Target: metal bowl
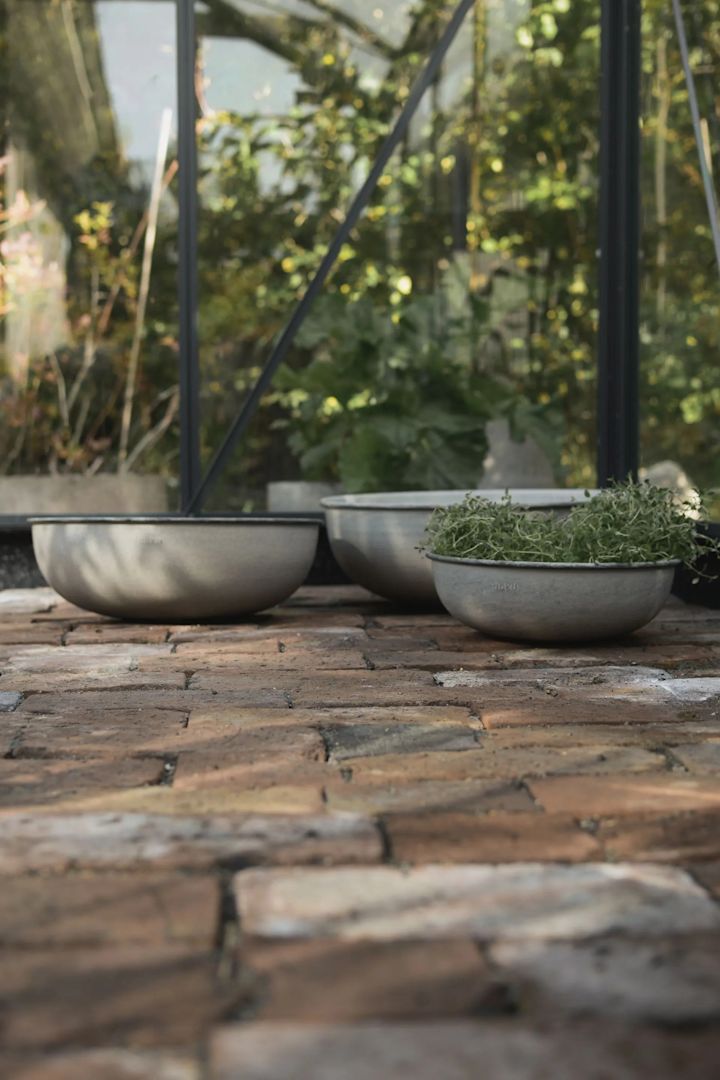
(531, 601)
(174, 568)
(375, 538)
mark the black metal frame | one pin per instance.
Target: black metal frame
(618, 415)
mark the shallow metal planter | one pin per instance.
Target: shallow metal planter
(375, 538)
(174, 568)
(571, 602)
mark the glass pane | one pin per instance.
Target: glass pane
(463, 311)
(680, 328)
(88, 309)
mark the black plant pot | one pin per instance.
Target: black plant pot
(707, 590)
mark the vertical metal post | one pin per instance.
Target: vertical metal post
(618, 361)
(187, 255)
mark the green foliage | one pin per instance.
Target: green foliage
(394, 401)
(62, 411)
(627, 523)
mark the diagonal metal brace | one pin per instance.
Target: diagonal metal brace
(710, 196)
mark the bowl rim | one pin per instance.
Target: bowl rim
(394, 500)
(661, 564)
(169, 519)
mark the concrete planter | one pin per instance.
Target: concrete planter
(563, 602)
(104, 493)
(375, 538)
(174, 568)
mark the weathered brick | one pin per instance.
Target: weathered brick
(348, 741)
(289, 618)
(339, 981)
(159, 996)
(708, 874)
(203, 661)
(673, 981)
(651, 735)
(388, 641)
(413, 620)
(27, 602)
(388, 715)
(679, 838)
(13, 634)
(543, 709)
(98, 733)
(646, 685)
(118, 632)
(332, 596)
(96, 660)
(433, 659)
(28, 782)
(672, 657)
(174, 700)
(104, 1064)
(590, 796)
(109, 909)
(453, 637)
(486, 762)
(383, 796)
(489, 838)
(114, 841)
(666, 632)
(592, 682)
(456, 1050)
(522, 901)
(326, 689)
(203, 641)
(52, 681)
(216, 719)
(64, 611)
(702, 757)
(261, 792)
(251, 690)
(204, 646)
(275, 748)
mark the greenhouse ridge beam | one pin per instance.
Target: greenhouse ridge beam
(618, 420)
(195, 502)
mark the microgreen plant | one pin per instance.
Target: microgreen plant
(625, 523)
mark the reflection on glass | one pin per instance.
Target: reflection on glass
(88, 368)
(464, 305)
(680, 328)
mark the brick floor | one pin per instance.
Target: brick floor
(342, 840)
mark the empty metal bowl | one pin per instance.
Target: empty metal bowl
(174, 568)
(531, 601)
(375, 538)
